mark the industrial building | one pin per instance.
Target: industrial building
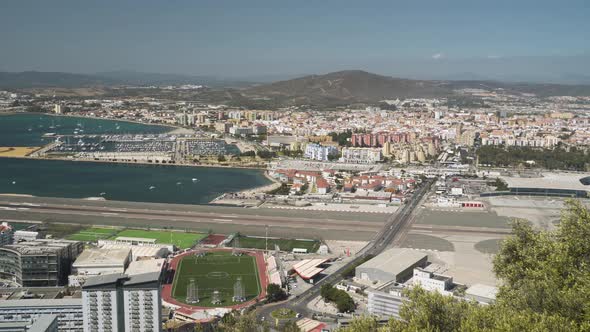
(68, 312)
(392, 265)
(118, 302)
(39, 263)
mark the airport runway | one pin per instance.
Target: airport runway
(204, 218)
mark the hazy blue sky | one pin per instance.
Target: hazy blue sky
(240, 38)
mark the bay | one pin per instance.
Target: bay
(141, 183)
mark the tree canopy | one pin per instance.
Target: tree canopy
(545, 279)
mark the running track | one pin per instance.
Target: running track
(189, 309)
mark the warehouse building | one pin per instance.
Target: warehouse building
(392, 265)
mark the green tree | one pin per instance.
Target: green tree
(548, 271)
(275, 293)
(545, 286)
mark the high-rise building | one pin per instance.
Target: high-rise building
(118, 302)
(57, 109)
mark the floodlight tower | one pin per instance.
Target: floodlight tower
(216, 297)
(239, 292)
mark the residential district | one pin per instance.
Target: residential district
(379, 199)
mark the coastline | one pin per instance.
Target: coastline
(141, 163)
(172, 127)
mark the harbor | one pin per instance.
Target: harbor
(121, 161)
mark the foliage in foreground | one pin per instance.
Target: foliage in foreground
(546, 286)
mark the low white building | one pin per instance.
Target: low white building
(20, 236)
(140, 251)
(95, 262)
(431, 281)
(145, 266)
(361, 155)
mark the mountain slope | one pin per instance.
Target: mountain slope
(347, 86)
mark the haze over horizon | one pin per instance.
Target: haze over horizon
(502, 40)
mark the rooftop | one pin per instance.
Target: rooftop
(394, 260)
(145, 266)
(549, 180)
(39, 303)
(481, 290)
(102, 257)
(308, 268)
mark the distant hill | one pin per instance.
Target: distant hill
(350, 86)
(36, 79)
(333, 89)
(346, 86)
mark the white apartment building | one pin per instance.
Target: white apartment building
(361, 155)
(119, 303)
(318, 152)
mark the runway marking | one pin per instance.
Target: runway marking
(228, 220)
(110, 214)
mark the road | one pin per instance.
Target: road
(384, 239)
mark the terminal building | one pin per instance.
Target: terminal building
(560, 184)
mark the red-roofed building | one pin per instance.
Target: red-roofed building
(323, 186)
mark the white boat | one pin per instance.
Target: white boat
(195, 180)
(152, 187)
(102, 193)
(178, 183)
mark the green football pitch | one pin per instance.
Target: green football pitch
(216, 271)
